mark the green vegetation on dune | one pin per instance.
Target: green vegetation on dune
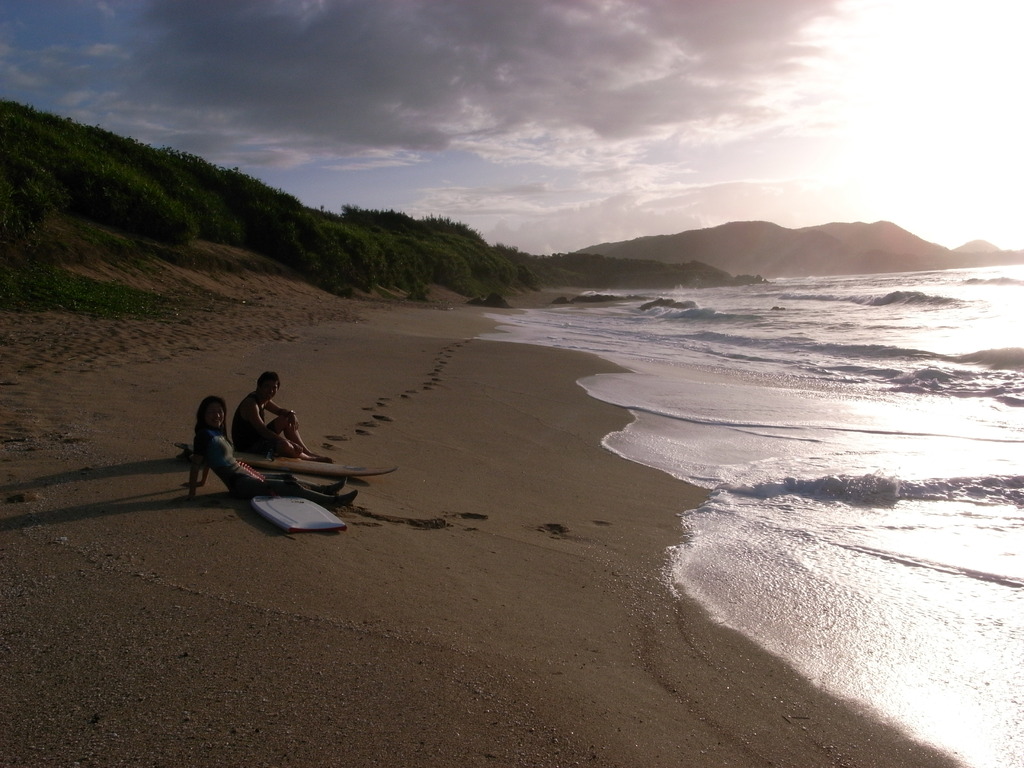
(44, 287)
(52, 165)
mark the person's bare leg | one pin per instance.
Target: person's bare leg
(290, 441)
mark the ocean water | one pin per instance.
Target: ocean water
(863, 441)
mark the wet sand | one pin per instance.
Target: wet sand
(497, 601)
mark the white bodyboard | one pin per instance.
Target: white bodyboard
(294, 514)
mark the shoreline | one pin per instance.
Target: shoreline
(529, 626)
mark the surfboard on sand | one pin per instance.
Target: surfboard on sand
(304, 467)
(282, 464)
(296, 515)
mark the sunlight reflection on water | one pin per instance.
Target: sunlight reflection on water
(910, 604)
(931, 647)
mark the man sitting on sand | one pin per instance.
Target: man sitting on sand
(251, 434)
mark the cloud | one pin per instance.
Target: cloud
(370, 160)
(531, 76)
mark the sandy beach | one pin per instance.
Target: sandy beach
(497, 601)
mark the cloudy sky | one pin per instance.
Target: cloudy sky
(550, 125)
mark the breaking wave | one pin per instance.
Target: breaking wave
(993, 281)
(874, 300)
(1008, 359)
(878, 490)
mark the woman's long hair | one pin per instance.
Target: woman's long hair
(203, 431)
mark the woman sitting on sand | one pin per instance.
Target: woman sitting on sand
(243, 482)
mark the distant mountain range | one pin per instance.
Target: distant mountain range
(762, 248)
(978, 246)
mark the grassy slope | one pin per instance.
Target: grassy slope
(50, 165)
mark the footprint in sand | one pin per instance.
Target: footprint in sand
(430, 523)
(555, 529)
